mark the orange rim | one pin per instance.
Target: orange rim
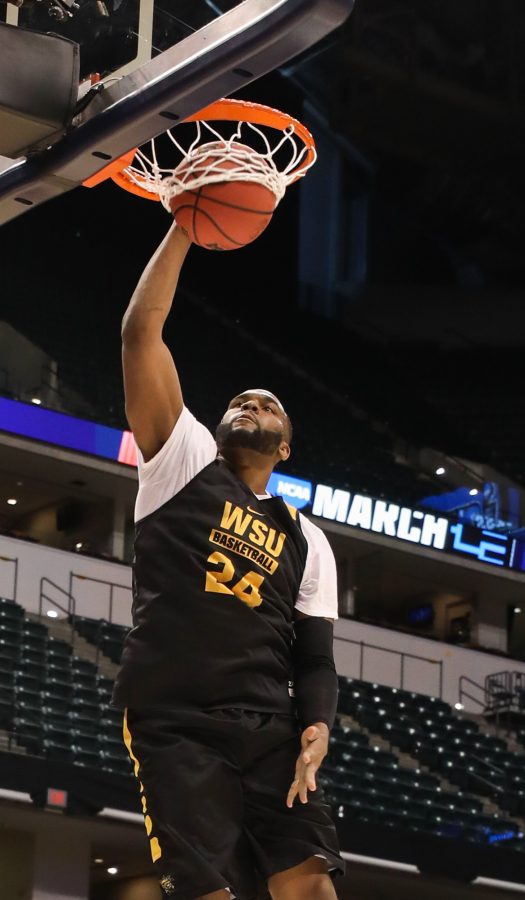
(122, 179)
(112, 169)
(220, 111)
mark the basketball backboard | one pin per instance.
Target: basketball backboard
(155, 63)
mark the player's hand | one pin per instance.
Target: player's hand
(314, 747)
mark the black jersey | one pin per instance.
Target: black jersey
(215, 578)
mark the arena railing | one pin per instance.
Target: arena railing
(363, 645)
(463, 692)
(69, 611)
(110, 584)
(14, 560)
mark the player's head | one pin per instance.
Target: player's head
(255, 420)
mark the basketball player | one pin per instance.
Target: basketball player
(227, 677)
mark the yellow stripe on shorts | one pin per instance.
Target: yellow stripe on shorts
(156, 851)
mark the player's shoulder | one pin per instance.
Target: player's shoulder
(189, 438)
(312, 532)
(308, 525)
(292, 510)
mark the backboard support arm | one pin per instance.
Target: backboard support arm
(241, 46)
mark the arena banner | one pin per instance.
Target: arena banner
(356, 511)
(419, 527)
(57, 428)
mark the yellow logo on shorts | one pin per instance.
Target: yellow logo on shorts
(167, 884)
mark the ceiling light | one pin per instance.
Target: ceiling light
(36, 400)
(52, 613)
(79, 545)
(98, 860)
(473, 492)
(440, 470)
(458, 706)
(517, 609)
(112, 870)
(12, 501)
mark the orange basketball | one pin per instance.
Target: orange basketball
(222, 215)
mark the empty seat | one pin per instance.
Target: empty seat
(35, 669)
(82, 679)
(9, 610)
(111, 729)
(86, 724)
(25, 680)
(36, 629)
(86, 758)
(104, 682)
(84, 743)
(28, 732)
(83, 665)
(88, 628)
(58, 648)
(110, 714)
(115, 762)
(55, 720)
(7, 679)
(113, 744)
(58, 674)
(57, 749)
(56, 688)
(111, 647)
(11, 630)
(9, 648)
(89, 710)
(28, 700)
(114, 632)
(7, 706)
(32, 638)
(54, 704)
(30, 654)
(57, 731)
(84, 694)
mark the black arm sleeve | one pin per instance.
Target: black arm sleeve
(315, 678)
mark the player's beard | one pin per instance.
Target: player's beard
(261, 440)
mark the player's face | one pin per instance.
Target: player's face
(255, 421)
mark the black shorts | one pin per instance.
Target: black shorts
(213, 792)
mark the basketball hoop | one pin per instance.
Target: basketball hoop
(211, 157)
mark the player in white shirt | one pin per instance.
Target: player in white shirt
(227, 677)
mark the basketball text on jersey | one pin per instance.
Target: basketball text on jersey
(253, 536)
(261, 543)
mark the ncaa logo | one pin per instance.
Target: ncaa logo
(295, 491)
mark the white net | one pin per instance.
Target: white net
(208, 161)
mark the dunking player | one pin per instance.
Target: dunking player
(227, 678)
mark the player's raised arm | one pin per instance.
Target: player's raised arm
(151, 385)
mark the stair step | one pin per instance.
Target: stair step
(8, 744)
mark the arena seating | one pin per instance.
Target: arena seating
(364, 782)
(446, 743)
(53, 702)
(56, 704)
(106, 636)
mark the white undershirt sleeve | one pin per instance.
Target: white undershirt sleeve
(189, 449)
(318, 590)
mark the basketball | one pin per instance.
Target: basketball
(223, 215)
